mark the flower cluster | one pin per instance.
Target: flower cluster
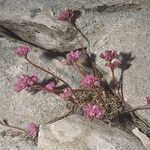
(92, 95)
(50, 86)
(93, 111)
(111, 57)
(23, 50)
(67, 93)
(148, 100)
(66, 15)
(72, 57)
(32, 129)
(24, 82)
(90, 81)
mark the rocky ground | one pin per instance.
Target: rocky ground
(122, 25)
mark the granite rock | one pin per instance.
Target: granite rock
(77, 133)
(14, 143)
(123, 25)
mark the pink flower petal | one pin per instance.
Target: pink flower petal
(23, 50)
(93, 111)
(66, 15)
(109, 55)
(32, 129)
(72, 57)
(148, 100)
(90, 81)
(50, 86)
(67, 93)
(24, 82)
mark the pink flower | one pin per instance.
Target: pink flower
(32, 129)
(24, 81)
(32, 79)
(72, 57)
(23, 50)
(113, 65)
(66, 15)
(67, 93)
(90, 81)
(148, 100)
(109, 55)
(93, 111)
(50, 86)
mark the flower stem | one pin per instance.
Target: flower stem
(89, 54)
(140, 108)
(77, 67)
(59, 118)
(115, 82)
(101, 98)
(47, 71)
(88, 50)
(14, 127)
(76, 90)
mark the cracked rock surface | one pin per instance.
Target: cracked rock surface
(77, 133)
(15, 143)
(122, 25)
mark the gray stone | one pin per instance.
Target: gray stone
(35, 22)
(24, 107)
(21, 108)
(77, 133)
(39, 35)
(123, 25)
(15, 143)
(24, 25)
(144, 139)
(128, 33)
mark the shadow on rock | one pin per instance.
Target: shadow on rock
(126, 59)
